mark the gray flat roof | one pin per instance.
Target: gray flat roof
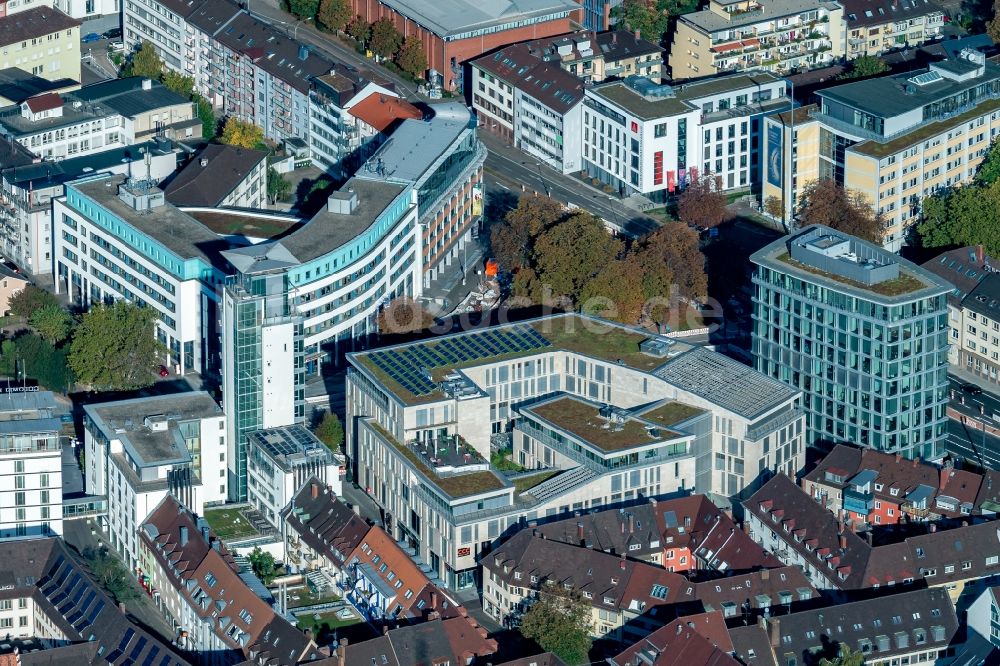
(416, 144)
(725, 382)
(710, 21)
(291, 445)
(11, 403)
(448, 17)
(44, 424)
(45, 174)
(124, 420)
(890, 96)
(177, 231)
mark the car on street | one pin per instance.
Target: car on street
(117, 46)
(114, 33)
(972, 389)
(90, 37)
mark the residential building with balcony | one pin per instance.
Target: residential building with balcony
(530, 103)
(780, 37)
(874, 28)
(862, 333)
(42, 41)
(280, 461)
(895, 139)
(292, 305)
(650, 418)
(26, 222)
(597, 56)
(652, 139)
(30, 466)
(443, 159)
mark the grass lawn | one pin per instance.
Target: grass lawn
(306, 597)
(671, 413)
(604, 341)
(229, 523)
(324, 621)
(244, 225)
(527, 482)
(585, 421)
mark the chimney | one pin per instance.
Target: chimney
(843, 542)
(868, 536)
(204, 533)
(916, 461)
(147, 84)
(434, 599)
(631, 523)
(315, 489)
(774, 631)
(765, 574)
(217, 544)
(638, 34)
(980, 255)
(385, 630)
(899, 457)
(932, 528)
(342, 654)
(579, 532)
(184, 535)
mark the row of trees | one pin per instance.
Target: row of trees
(651, 17)
(570, 260)
(110, 347)
(381, 37)
(825, 202)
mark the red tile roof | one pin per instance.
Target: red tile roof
(406, 574)
(380, 110)
(45, 102)
(697, 639)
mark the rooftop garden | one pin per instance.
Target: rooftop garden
(672, 413)
(598, 339)
(526, 483)
(585, 421)
(229, 523)
(226, 224)
(904, 284)
(454, 485)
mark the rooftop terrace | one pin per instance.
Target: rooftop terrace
(586, 421)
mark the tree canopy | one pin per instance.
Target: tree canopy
(702, 203)
(963, 216)
(411, 58)
(111, 574)
(29, 300)
(403, 315)
(52, 322)
(115, 347)
(513, 240)
(845, 657)
(278, 187)
(825, 202)
(304, 9)
(180, 84)
(359, 29)
(559, 621)
(145, 62)
(649, 17)
(240, 133)
(864, 66)
(207, 116)
(334, 14)
(262, 563)
(29, 355)
(385, 39)
(330, 431)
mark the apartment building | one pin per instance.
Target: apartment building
(141, 450)
(46, 594)
(597, 56)
(895, 139)
(531, 103)
(294, 304)
(17, 85)
(875, 374)
(984, 615)
(977, 343)
(30, 465)
(26, 222)
(118, 239)
(42, 41)
(420, 442)
(964, 268)
(350, 117)
(702, 637)
(280, 461)
(652, 139)
(780, 37)
(214, 612)
(443, 159)
(876, 27)
(439, 640)
(221, 176)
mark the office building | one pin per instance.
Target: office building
(596, 56)
(862, 333)
(895, 139)
(297, 303)
(280, 461)
(30, 465)
(644, 417)
(42, 41)
(141, 450)
(221, 176)
(442, 158)
(201, 592)
(874, 28)
(26, 222)
(778, 37)
(650, 139)
(46, 594)
(85, 10)
(530, 103)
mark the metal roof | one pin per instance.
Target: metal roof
(449, 17)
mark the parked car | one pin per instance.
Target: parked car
(114, 33)
(117, 46)
(90, 37)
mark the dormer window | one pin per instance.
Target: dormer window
(894, 492)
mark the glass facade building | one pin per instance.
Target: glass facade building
(871, 359)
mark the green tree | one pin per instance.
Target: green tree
(964, 216)
(702, 203)
(615, 292)
(278, 187)
(989, 169)
(29, 300)
(385, 40)
(304, 9)
(53, 323)
(243, 134)
(513, 240)
(411, 58)
(111, 574)
(993, 27)
(649, 17)
(359, 29)
(145, 62)
(671, 259)
(180, 84)
(334, 14)
(559, 621)
(330, 431)
(845, 657)
(263, 565)
(825, 202)
(115, 347)
(28, 355)
(209, 126)
(866, 66)
(569, 254)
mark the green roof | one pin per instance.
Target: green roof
(584, 420)
(672, 413)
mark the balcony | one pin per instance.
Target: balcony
(858, 502)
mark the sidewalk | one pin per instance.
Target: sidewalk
(447, 291)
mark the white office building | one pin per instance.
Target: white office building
(30, 466)
(139, 451)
